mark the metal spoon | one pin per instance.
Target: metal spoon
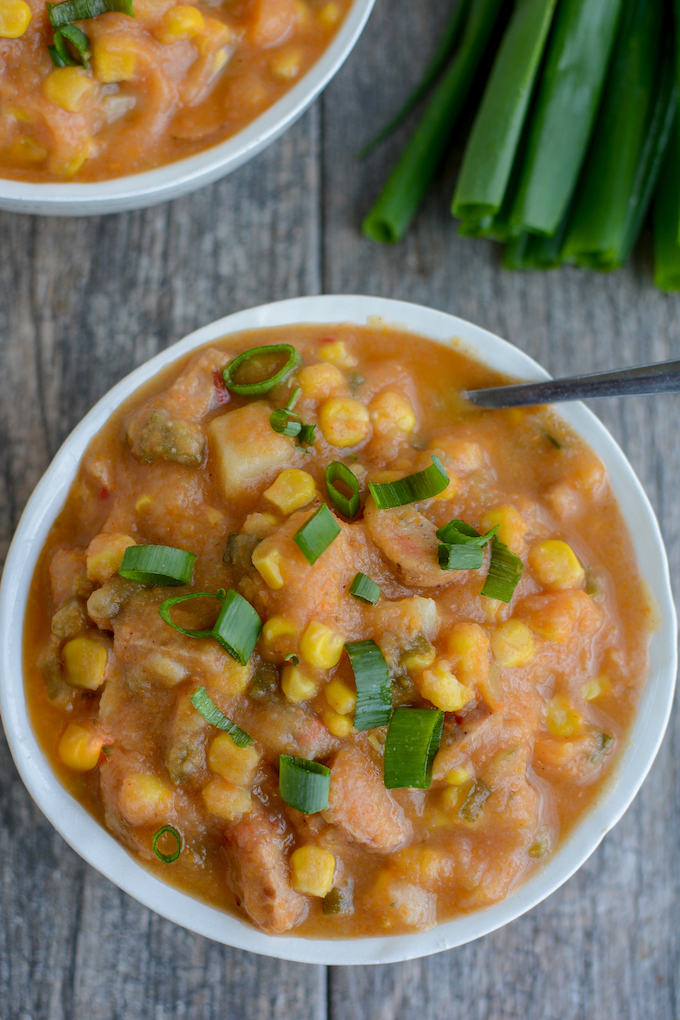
(664, 377)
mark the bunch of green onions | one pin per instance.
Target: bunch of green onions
(574, 132)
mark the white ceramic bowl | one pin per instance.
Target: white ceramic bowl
(137, 191)
(97, 847)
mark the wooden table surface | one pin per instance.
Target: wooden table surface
(83, 302)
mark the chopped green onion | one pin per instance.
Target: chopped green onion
(413, 739)
(157, 564)
(304, 784)
(461, 546)
(306, 436)
(293, 398)
(291, 657)
(206, 707)
(59, 51)
(81, 10)
(340, 900)
(374, 687)
(347, 505)
(282, 422)
(492, 146)
(365, 589)
(317, 533)
(412, 488)
(476, 798)
(505, 570)
(439, 60)
(237, 628)
(667, 219)
(172, 831)
(264, 385)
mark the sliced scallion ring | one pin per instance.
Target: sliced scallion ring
(237, 628)
(365, 589)
(293, 398)
(283, 422)
(165, 607)
(157, 564)
(303, 784)
(80, 10)
(264, 385)
(206, 707)
(60, 50)
(413, 739)
(317, 533)
(171, 831)
(461, 546)
(374, 687)
(347, 505)
(412, 488)
(505, 570)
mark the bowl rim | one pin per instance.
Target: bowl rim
(96, 846)
(149, 187)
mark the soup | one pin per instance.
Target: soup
(325, 645)
(135, 92)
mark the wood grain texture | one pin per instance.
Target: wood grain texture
(85, 301)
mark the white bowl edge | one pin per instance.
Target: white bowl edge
(173, 180)
(94, 844)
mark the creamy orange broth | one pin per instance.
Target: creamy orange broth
(538, 694)
(167, 83)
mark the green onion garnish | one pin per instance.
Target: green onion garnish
(59, 51)
(283, 422)
(80, 10)
(304, 784)
(461, 546)
(412, 741)
(374, 687)
(172, 831)
(237, 628)
(413, 488)
(264, 385)
(157, 564)
(347, 505)
(365, 589)
(206, 707)
(293, 398)
(317, 533)
(505, 570)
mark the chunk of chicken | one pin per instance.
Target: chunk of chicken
(360, 804)
(258, 873)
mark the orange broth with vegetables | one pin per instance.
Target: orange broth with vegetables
(529, 700)
(174, 79)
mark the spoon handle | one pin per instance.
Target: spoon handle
(663, 377)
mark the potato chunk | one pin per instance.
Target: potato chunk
(247, 451)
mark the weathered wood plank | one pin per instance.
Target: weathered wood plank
(607, 943)
(84, 302)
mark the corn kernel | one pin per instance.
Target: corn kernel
(320, 381)
(15, 17)
(267, 561)
(470, 643)
(392, 412)
(320, 646)
(69, 87)
(226, 801)
(27, 150)
(181, 22)
(84, 663)
(291, 490)
(312, 869)
(452, 489)
(453, 796)
(79, 748)
(287, 63)
(143, 799)
(237, 765)
(105, 554)
(456, 777)
(69, 167)
(344, 421)
(556, 565)
(275, 628)
(512, 644)
(511, 526)
(337, 353)
(561, 718)
(329, 15)
(421, 656)
(296, 685)
(596, 687)
(215, 36)
(339, 725)
(260, 525)
(142, 503)
(341, 697)
(112, 65)
(302, 13)
(440, 686)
